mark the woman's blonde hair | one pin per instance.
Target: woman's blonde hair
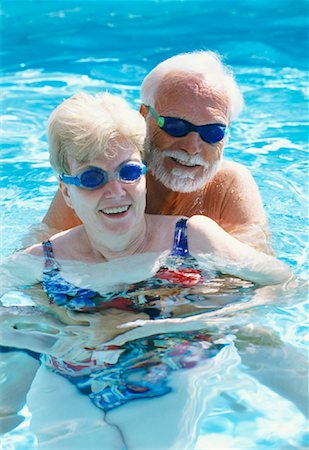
(84, 126)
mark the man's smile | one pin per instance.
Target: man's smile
(184, 163)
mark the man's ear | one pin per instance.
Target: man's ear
(143, 109)
(65, 193)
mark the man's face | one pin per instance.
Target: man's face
(186, 164)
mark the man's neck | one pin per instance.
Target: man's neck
(156, 195)
(161, 200)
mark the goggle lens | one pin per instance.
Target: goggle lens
(176, 127)
(130, 172)
(212, 134)
(94, 177)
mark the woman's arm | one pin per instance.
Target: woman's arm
(230, 256)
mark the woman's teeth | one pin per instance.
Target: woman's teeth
(116, 210)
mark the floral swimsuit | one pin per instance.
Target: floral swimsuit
(154, 296)
(144, 364)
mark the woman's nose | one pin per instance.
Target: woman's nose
(114, 188)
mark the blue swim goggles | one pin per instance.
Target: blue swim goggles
(94, 177)
(176, 127)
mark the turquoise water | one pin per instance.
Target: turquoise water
(52, 49)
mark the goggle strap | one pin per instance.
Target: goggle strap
(69, 179)
(160, 120)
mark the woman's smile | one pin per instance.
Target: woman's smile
(116, 212)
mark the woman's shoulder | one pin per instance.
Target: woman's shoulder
(163, 220)
(160, 231)
(166, 225)
(199, 222)
(34, 250)
(61, 243)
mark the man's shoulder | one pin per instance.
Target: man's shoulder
(231, 173)
(231, 180)
(231, 169)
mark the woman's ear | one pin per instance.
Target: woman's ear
(143, 109)
(65, 193)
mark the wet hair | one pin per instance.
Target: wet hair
(86, 126)
(207, 64)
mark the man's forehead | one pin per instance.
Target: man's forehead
(195, 81)
(186, 91)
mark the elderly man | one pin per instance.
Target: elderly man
(189, 101)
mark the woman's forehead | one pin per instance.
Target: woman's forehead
(120, 144)
(117, 151)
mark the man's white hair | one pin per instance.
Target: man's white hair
(84, 127)
(207, 64)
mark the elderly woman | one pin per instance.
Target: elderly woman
(96, 147)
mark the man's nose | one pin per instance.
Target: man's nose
(114, 189)
(192, 143)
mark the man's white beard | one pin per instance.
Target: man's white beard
(179, 180)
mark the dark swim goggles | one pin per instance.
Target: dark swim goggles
(94, 177)
(173, 126)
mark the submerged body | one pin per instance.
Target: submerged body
(124, 363)
(140, 368)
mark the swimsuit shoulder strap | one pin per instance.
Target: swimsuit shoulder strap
(49, 258)
(180, 246)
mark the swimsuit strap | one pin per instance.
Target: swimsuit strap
(180, 247)
(49, 258)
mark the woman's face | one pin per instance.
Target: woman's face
(117, 208)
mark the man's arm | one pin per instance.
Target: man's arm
(230, 256)
(236, 205)
(59, 215)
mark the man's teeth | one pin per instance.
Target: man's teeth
(119, 209)
(184, 163)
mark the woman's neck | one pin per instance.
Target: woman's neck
(108, 247)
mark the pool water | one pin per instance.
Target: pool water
(52, 49)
